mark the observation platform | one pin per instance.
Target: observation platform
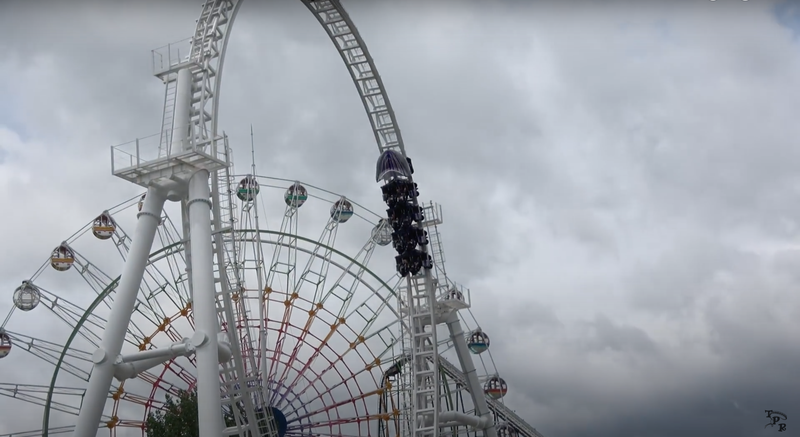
(432, 213)
(142, 162)
(449, 297)
(167, 60)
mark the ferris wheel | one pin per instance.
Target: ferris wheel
(258, 299)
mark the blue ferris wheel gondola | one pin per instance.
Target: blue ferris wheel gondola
(478, 342)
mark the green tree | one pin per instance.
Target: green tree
(177, 418)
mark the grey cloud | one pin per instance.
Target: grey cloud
(681, 273)
(662, 133)
(604, 334)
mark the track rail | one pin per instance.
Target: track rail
(344, 35)
(497, 407)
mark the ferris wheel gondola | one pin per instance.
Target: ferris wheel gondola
(248, 189)
(26, 296)
(296, 195)
(103, 226)
(478, 342)
(495, 387)
(62, 258)
(341, 210)
(5, 344)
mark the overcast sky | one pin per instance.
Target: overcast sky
(620, 183)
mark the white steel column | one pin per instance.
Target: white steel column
(124, 300)
(468, 367)
(204, 307)
(183, 107)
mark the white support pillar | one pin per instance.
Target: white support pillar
(181, 140)
(475, 388)
(124, 300)
(204, 307)
(459, 418)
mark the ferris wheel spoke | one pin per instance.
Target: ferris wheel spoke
(121, 241)
(158, 383)
(347, 273)
(71, 314)
(286, 244)
(334, 406)
(370, 310)
(302, 374)
(313, 381)
(171, 369)
(361, 310)
(345, 286)
(310, 376)
(388, 339)
(307, 367)
(97, 280)
(49, 352)
(164, 325)
(170, 237)
(151, 291)
(282, 273)
(342, 382)
(37, 395)
(309, 275)
(316, 270)
(333, 422)
(335, 365)
(157, 283)
(121, 394)
(168, 233)
(38, 432)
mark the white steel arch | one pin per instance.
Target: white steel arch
(344, 35)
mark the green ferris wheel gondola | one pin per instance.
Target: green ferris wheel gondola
(248, 189)
(296, 195)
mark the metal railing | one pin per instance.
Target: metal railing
(170, 55)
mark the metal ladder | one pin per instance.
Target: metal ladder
(165, 142)
(425, 371)
(248, 381)
(433, 218)
(227, 206)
